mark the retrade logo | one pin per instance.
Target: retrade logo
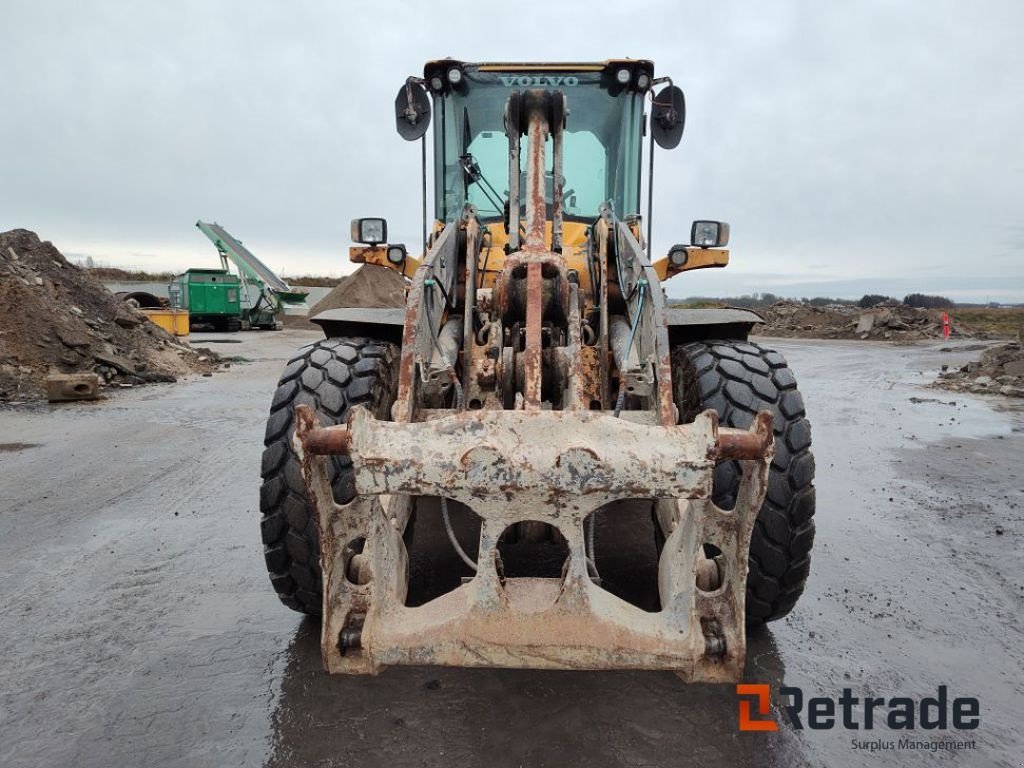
(762, 696)
(899, 713)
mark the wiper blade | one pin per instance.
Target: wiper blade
(472, 170)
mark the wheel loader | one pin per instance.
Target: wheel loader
(537, 462)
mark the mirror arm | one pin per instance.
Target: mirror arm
(650, 184)
(423, 169)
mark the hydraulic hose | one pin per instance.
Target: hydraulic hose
(451, 535)
(642, 288)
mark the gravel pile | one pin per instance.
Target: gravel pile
(370, 286)
(57, 318)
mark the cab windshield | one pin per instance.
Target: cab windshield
(601, 145)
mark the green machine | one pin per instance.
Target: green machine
(260, 295)
(212, 296)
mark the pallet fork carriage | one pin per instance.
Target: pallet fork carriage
(537, 378)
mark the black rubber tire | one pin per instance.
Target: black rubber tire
(737, 379)
(331, 375)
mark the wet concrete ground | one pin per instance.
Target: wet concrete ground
(137, 627)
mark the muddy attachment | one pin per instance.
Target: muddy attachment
(553, 468)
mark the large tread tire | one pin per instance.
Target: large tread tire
(330, 375)
(737, 379)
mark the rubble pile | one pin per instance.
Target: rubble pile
(56, 318)
(999, 371)
(891, 321)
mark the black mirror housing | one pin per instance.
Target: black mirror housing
(668, 117)
(412, 110)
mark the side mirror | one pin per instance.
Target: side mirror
(668, 117)
(412, 110)
(709, 234)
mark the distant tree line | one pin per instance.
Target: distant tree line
(919, 300)
(925, 301)
(759, 300)
(104, 272)
(873, 300)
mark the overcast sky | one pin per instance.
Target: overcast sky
(854, 147)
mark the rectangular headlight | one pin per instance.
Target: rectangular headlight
(709, 234)
(369, 231)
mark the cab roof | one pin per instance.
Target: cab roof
(534, 66)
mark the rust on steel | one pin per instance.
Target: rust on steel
(653, 337)
(536, 206)
(328, 441)
(533, 444)
(731, 444)
(436, 274)
(558, 181)
(507, 291)
(745, 444)
(532, 353)
(407, 364)
(553, 467)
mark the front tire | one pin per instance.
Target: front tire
(737, 379)
(331, 376)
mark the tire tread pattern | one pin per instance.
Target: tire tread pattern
(330, 375)
(737, 379)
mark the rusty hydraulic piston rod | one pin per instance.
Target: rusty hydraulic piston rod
(448, 344)
(619, 330)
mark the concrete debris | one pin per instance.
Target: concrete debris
(892, 321)
(59, 320)
(999, 371)
(61, 387)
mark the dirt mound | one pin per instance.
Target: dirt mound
(298, 322)
(890, 321)
(999, 371)
(370, 286)
(57, 318)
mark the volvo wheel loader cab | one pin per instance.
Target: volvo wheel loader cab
(537, 462)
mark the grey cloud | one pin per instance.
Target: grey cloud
(866, 144)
